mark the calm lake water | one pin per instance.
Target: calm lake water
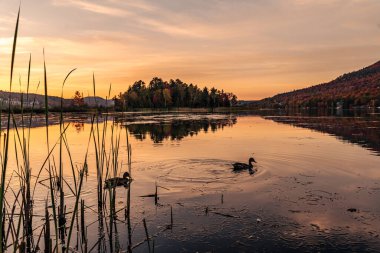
(316, 186)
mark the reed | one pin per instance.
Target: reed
(22, 142)
(156, 195)
(84, 239)
(27, 198)
(47, 239)
(147, 234)
(62, 207)
(128, 214)
(56, 228)
(171, 217)
(6, 141)
(75, 212)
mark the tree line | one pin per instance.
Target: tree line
(175, 93)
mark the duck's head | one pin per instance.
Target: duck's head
(252, 160)
(126, 175)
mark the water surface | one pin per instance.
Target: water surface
(310, 172)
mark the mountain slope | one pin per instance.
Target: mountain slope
(358, 88)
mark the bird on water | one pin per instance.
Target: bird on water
(118, 181)
(243, 166)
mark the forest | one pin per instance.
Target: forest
(356, 89)
(175, 93)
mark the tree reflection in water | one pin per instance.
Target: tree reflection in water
(363, 131)
(79, 126)
(177, 129)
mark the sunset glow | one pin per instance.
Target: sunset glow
(252, 48)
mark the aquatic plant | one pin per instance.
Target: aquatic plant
(17, 226)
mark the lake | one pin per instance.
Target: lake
(315, 188)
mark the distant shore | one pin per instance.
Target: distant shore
(111, 110)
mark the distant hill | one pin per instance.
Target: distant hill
(358, 88)
(98, 101)
(53, 101)
(39, 100)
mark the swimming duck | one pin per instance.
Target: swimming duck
(244, 166)
(118, 181)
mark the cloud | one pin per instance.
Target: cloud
(141, 5)
(174, 30)
(260, 46)
(92, 7)
(150, 17)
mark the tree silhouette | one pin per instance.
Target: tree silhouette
(78, 100)
(162, 94)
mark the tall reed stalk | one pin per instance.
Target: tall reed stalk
(5, 159)
(57, 227)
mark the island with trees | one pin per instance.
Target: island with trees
(172, 94)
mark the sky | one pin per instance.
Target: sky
(253, 48)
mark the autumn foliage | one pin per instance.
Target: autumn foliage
(175, 93)
(359, 88)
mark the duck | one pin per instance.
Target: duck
(244, 166)
(118, 181)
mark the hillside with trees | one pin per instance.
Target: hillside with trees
(356, 89)
(175, 93)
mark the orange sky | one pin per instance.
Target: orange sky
(252, 48)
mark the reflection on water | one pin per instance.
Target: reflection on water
(38, 120)
(363, 131)
(174, 128)
(186, 197)
(79, 126)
